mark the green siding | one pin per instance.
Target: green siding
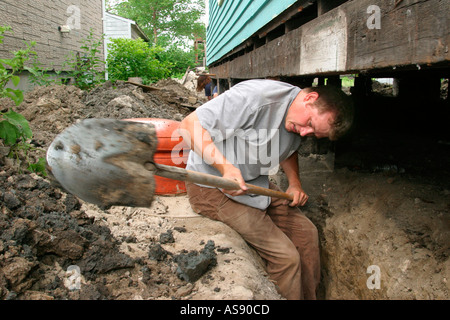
(237, 20)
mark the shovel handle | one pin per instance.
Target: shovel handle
(177, 173)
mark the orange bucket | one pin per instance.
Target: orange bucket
(171, 151)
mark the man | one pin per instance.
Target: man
(242, 135)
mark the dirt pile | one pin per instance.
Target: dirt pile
(51, 109)
(44, 233)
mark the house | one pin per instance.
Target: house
(120, 27)
(57, 27)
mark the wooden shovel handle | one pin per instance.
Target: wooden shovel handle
(177, 173)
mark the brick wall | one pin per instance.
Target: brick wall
(38, 20)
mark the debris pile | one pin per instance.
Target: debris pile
(44, 232)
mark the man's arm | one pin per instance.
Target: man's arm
(199, 140)
(290, 168)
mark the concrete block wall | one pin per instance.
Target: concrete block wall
(38, 20)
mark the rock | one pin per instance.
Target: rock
(26, 181)
(184, 290)
(16, 270)
(64, 243)
(192, 100)
(121, 102)
(157, 252)
(167, 237)
(50, 103)
(11, 200)
(102, 258)
(19, 229)
(192, 265)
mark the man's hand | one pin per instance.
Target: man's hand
(290, 167)
(299, 195)
(199, 140)
(233, 173)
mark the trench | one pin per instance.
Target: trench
(382, 210)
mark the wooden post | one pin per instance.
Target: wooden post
(334, 81)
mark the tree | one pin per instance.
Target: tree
(165, 21)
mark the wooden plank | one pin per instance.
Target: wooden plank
(323, 46)
(413, 33)
(143, 86)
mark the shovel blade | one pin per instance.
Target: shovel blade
(102, 161)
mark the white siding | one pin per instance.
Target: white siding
(115, 27)
(119, 27)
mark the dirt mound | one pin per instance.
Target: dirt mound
(51, 109)
(44, 233)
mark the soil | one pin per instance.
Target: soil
(378, 220)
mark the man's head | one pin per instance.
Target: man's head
(323, 111)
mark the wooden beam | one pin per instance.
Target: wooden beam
(143, 86)
(413, 34)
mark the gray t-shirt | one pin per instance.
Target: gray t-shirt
(247, 124)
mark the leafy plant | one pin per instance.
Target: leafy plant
(134, 58)
(15, 132)
(14, 128)
(10, 68)
(38, 167)
(86, 67)
(40, 76)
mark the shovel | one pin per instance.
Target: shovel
(109, 162)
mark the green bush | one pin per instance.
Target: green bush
(134, 58)
(13, 126)
(15, 133)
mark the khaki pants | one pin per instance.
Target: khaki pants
(283, 236)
